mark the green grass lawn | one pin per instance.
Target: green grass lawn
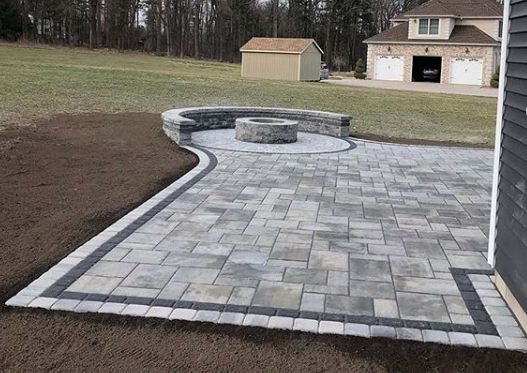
(37, 82)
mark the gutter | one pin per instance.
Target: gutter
(431, 42)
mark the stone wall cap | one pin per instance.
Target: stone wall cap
(178, 115)
(266, 121)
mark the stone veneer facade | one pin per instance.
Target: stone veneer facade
(490, 57)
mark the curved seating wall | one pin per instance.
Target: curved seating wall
(179, 124)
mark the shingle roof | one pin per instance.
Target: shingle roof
(278, 45)
(458, 8)
(466, 35)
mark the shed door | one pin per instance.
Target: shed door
(389, 68)
(466, 71)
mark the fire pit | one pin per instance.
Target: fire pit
(266, 130)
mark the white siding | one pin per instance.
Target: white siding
(488, 26)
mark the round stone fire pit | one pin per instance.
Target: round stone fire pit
(266, 130)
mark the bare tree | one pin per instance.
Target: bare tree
(207, 28)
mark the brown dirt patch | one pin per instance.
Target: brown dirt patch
(66, 179)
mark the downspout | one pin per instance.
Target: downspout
(499, 126)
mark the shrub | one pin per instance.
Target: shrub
(495, 81)
(359, 69)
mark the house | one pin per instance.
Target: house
(443, 41)
(282, 59)
(508, 228)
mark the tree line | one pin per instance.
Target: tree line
(212, 29)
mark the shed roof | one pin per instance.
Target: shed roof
(457, 8)
(464, 35)
(279, 45)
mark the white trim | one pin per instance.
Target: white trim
(299, 67)
(260, 51)
(429, 34)
(481, 17)
(499, 127)
(405, 18)
(316, 45)
(284, 52)
(429, 15)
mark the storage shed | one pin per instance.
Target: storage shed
(281, 59)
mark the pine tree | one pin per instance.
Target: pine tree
(359, 69)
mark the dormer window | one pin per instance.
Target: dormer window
(429, 26)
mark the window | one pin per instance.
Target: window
(429, 26)
(500, 29)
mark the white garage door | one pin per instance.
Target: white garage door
(389, 68)
(466, 71)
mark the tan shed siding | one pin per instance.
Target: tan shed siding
(488, 26)
(310, 64)
(281, 66)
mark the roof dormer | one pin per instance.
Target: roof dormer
(430, 27)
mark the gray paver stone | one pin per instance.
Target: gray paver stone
(410, 334)
(159, 312)
(330, 327)
(515, 343)
(256, 320)
(135, 310)
(207, 316)
(233, 318)
(182, 314)
(112, 307)
(88, 306)
(65, 304)
(42, 302)
(306, 325)
(280, 322)
(360, 330)
(464, 339)
(489, 341)
(382, 331)
(436, 336)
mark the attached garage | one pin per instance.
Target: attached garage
(389, 68)
(281, 59)
(466, 71)
(426, 69)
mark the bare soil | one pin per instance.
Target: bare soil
(64, 180)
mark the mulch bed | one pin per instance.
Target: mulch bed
(65, 179)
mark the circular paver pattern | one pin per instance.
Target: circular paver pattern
(307, 143)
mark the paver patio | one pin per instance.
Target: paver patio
(377, 240)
